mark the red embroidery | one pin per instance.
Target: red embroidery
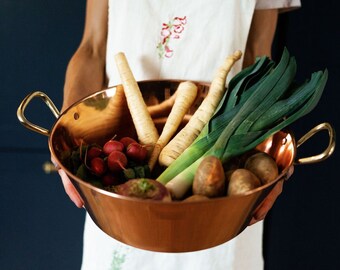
(171, 30)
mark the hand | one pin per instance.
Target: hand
(263, 209)
(69, 187)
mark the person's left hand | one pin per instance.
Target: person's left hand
(263, 209)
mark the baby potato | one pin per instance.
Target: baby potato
(209, 178)
(242, 181)
(263, 166)
(196, 198)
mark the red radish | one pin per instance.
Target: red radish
(112, 145)
(93, 152)
(109, 179)
(136, 152)
(98, 166)
(126, 141)
(116, 161)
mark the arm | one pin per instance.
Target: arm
(261, 35)
(85, 73)
(260, 39)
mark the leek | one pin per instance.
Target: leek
(261, 100)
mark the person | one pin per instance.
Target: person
(175, 39)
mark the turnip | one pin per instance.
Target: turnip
(143, 188)
(117, 161)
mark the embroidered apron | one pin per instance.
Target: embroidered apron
(175, 39)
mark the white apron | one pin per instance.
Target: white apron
(175, 39)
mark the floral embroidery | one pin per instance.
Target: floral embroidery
(170, 31)
(117, 261)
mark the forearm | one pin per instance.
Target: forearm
(261, 35)
(85, 74)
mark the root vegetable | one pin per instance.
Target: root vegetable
(136, 152)
(109, 179)
(98, 166)
(145, 128)
(263, 166)
(126, 141)
(205, 111)
(196, 198)
(112, 145)
(143, 188)
(209, 178)
(185, 96)
(117, 161)
(242, 181)
(162, 109)
(93, 152)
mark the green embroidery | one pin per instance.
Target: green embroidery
(117, 260)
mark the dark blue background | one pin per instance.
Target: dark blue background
(41, 229)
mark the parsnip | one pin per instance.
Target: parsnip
(185, 96)
(145, 128)
(202, 115)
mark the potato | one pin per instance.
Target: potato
(263, 166)
(242, 181)
(195, 198)
(209, 178)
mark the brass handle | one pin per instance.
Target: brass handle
(326, 153)
(21, 111)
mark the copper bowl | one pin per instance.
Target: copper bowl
(152, 225)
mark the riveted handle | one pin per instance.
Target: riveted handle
(326, 153)
(22, 107)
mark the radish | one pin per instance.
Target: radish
(113, 145)
(98, 166)
(126, 141)
(93, 152)
(117, 161)
(109, 179)
(136, 152)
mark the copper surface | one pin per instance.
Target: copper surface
(151, 225)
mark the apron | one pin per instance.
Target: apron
(175, 39)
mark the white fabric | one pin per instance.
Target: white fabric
(280, 4)
(102, 252)
(210, 31)
(213, 30)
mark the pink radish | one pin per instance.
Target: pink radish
(112, 145)
(116, 161)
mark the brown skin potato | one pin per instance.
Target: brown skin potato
(242, 181)
(209, 178)
(263, 166)
(195, 198)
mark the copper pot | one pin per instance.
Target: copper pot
(152, 225)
